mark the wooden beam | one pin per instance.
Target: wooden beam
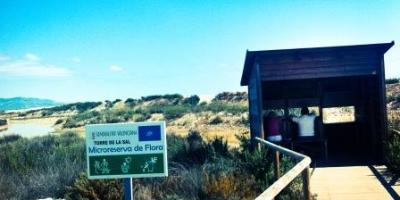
(306, 183)
(277, 165)
(315, 75)
(319, 63)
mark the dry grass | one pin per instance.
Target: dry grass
(394, 117)
(210, 132)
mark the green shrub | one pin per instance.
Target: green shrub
(218, 147)
(231, 96)
(71, 123)
(195, 148)
(392, 80)
(224, 179)
(46, 113)
(173, 112)
(215, 120)
(80, 107)
(116, 101)
(233, 108)
(170, 97)
(59, 121)
(393, 153)
(131, 102)
(83, 188)
(245, 120)
(141, 117)
(192, 100)
(3, 122)
(176, 146)
(22, 114)
(9, 138)
(197, 170)
(389, 99)
(40, 167)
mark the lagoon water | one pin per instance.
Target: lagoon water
(28, 129)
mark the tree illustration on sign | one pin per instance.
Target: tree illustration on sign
(149, 165)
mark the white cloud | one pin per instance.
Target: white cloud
(76, 60)
(30, 65)
(32, 57)
(116, 68)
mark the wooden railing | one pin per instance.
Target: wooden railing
(395, 131)
(303, 167)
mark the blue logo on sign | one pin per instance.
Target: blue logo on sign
(149, 133)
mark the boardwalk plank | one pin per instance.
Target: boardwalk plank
(353, 182)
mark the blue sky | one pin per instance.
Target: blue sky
(96, 50)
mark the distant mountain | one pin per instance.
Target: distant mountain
(18, 103)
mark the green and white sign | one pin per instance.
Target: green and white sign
(124, 150)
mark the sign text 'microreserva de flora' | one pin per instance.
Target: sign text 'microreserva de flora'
(137, 148)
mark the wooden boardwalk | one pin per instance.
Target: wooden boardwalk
(354, 182)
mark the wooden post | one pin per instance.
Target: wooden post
(277, 165)
(306, 183)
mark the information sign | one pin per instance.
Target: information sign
(123, 150)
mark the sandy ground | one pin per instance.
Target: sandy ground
(44, 121)
(3, 127)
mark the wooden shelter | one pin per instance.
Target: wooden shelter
(341, 77)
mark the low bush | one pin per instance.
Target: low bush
(192, 100)
(84, 188)
(389, 99)
(9, 138)
(224, 179)
(245, 120)
(131, 102)
(71, 123)
(215, 120)
(169, 111)
(393, 153)
(59, 121)
(52, 166)
(40, 167)
(3, 122)
(95, 117)
(231, 96)
(173, 112)
(170, 97)
(233, 108)
(116, 101)
(392, 80)
(141, 117)
(217, 148)
(80, 107)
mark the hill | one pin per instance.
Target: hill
(18, 103)
(226, 111)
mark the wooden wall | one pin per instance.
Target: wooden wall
(322, 65)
